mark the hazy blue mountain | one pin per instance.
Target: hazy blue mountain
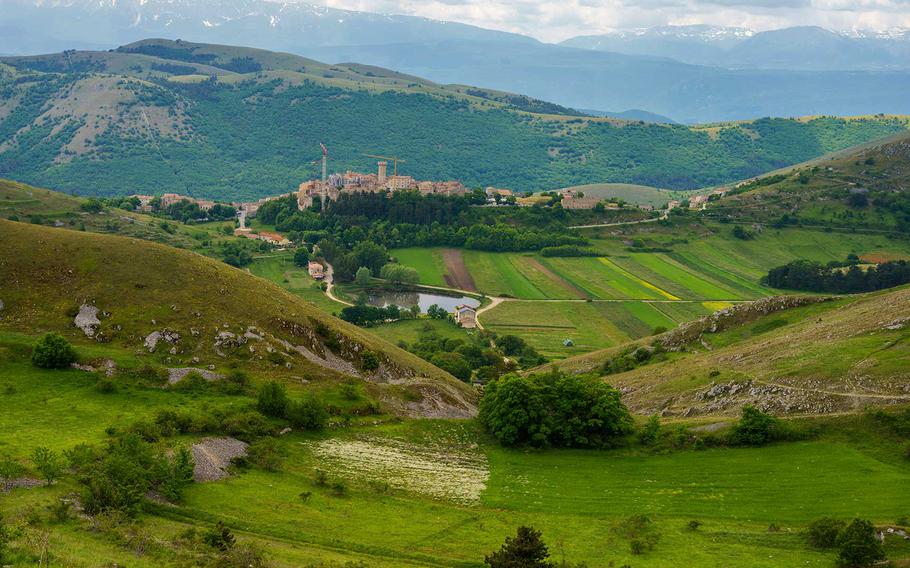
(797, 48)
(31, 27)
(587, 79)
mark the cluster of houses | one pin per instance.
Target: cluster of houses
(336, 184)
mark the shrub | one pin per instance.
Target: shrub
(641, 532)
(235, 382)
(858, 545)
(106, 386)
(273, 400)
(755, 428)
(48, 464)
(246, 426)
(5, 538)
(525, 550)
(10, 469)
(219, 537)
(693, 525)
(53, 352)
(651, 431)
(369, 361)
(266, 454)
(554, 409)
(308, 414)
(823, 533)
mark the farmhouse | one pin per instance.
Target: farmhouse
(466, 316)
(316, 271)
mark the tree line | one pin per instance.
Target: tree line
(837, 278)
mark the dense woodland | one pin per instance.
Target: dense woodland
(838, 277)
(256, 138)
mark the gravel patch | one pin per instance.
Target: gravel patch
(175, 375)
(7, 485)
(213, 456)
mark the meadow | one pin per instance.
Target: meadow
(385, 515)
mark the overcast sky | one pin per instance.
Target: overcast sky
(555, 20)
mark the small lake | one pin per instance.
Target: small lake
(424, 300)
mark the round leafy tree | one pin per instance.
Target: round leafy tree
(53, 352)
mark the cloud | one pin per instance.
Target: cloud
(555, 20)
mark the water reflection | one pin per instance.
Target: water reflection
(408, 299)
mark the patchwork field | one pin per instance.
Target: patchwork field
(698, 271)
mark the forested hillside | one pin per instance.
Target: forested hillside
(231, 122)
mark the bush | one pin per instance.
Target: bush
(5, 538)
(525, 550)
(369, 361)
(272, 400)
(858, 545)
(651, 431)
(53, 352)
(823, 533)
(48, 464)
(106, 386)
(554, 409)
(219, 537)
(266, 454)
(755, 428)
(308, 414)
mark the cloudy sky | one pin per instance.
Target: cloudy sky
(555, 20)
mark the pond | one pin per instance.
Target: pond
(422, 299)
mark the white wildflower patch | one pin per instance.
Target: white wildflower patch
(454, 475)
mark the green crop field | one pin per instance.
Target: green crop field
(427, 261)
(498, 274)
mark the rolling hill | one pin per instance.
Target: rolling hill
(862, 188)
(192, 311)
(229, 122)
(785, 355)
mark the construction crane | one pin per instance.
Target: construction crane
(394, 160)
(325, 159)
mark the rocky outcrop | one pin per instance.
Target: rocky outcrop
(87, 320)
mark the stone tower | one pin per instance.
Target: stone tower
(382, 171)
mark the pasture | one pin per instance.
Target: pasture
(630, 193)
(387, 514)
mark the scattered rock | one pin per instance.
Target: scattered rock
(7, 485)
(87, 320)
(213, 457)
(151, 340)
(175, 375)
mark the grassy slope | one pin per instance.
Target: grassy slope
(148, 287)
(629, 192)
(820, 198)
(831, 357)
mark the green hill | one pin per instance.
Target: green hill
(143, 293)
(629, 192)
(861, 188)
(232, 122)
(787, 355)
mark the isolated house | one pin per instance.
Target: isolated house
(466, 316)
(315, 269)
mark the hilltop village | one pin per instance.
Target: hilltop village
(317, 193)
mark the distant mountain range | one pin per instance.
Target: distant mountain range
(680, 73)
(798, 48)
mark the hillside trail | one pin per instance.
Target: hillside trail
(620, 224)
(330, 285)
(853, 394)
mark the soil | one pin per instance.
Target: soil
(457, 275)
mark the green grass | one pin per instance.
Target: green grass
(577, 498)
(497, 274)
(630, 193)
(280, 269)
(428, 263)
(409, 330)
